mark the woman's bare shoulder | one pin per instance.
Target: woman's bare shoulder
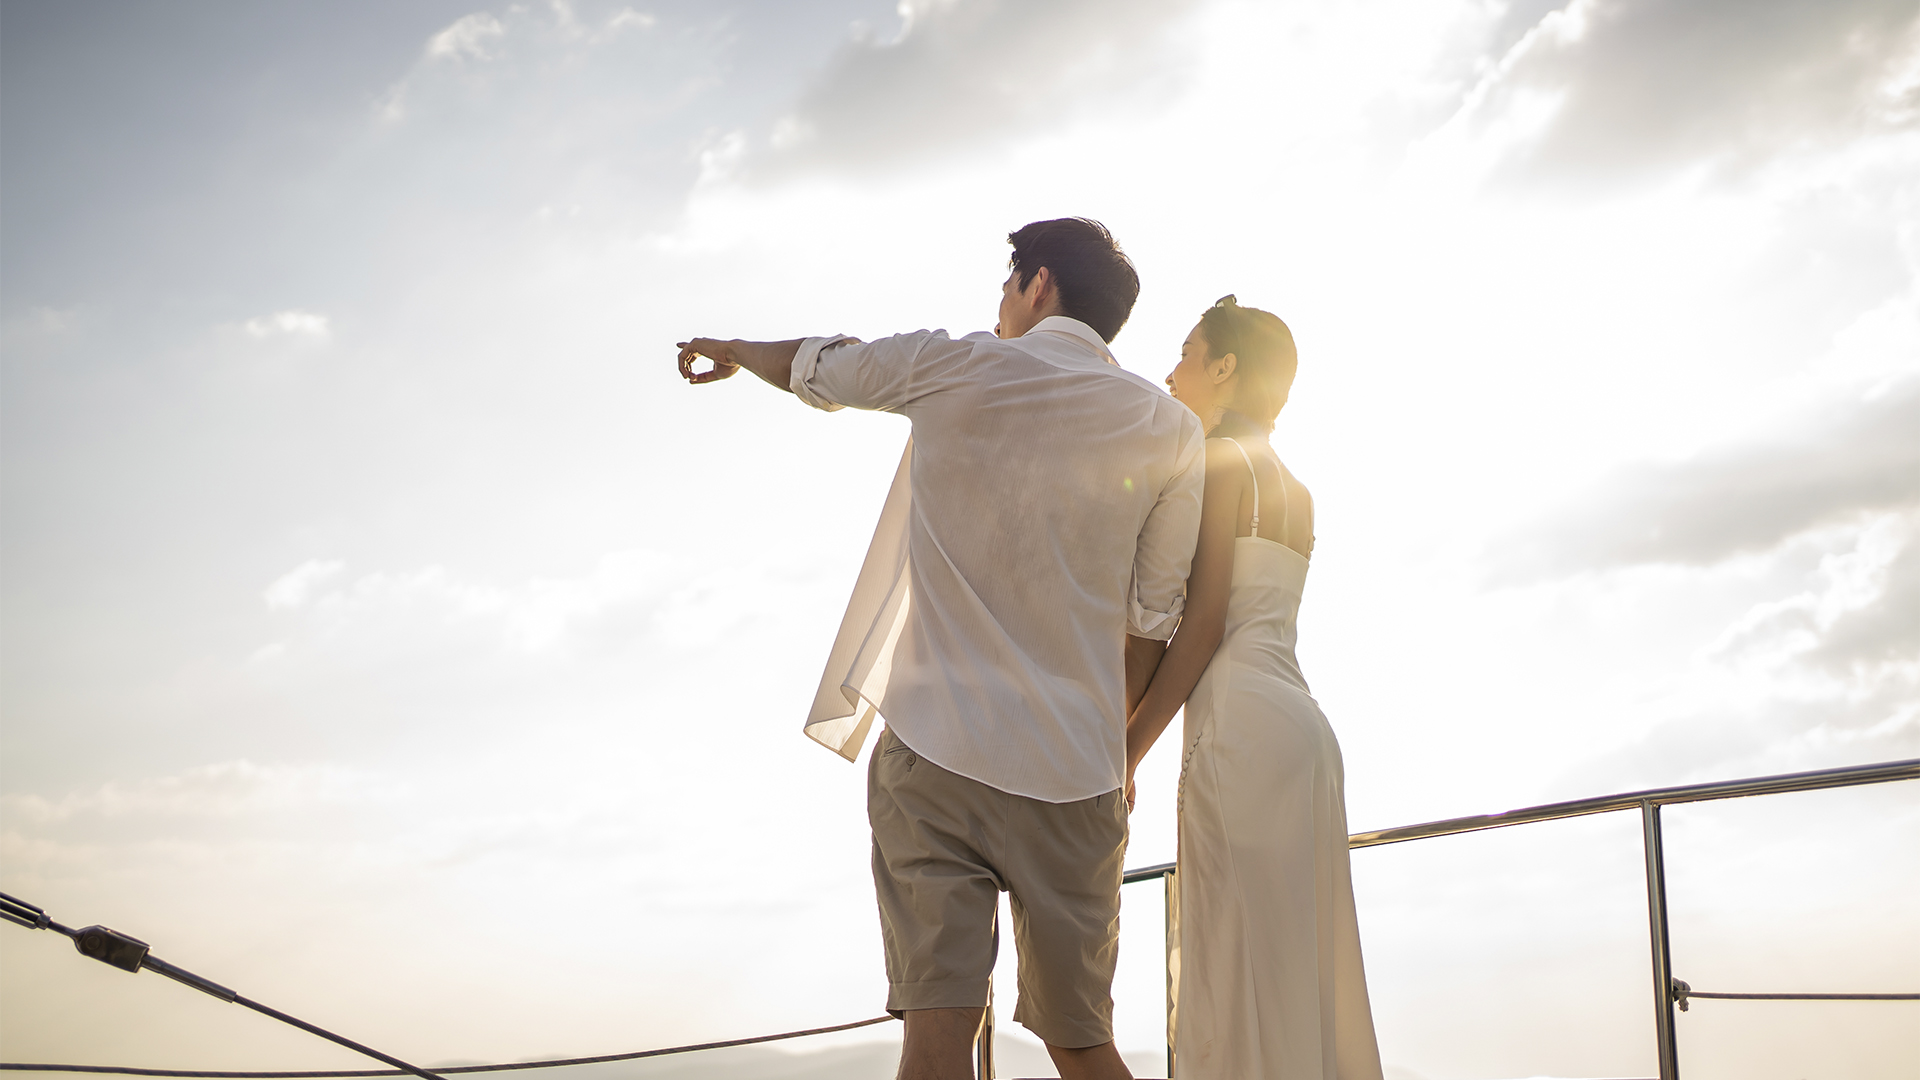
(1223, 459)
(1221, 450)
(1292, 481)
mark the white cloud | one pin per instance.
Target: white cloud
(391, 106)
(293, 589)
(721, 159)
(1853, 577)
(1899, 92)
(1809, 542)
(223, 789)
(380, 614)
(627, 17)
(1484, 130)
(467, 37)
(1880, 344)
(291, 323)
(42, 322)
(1642, 86)
(613, 105)
(1840, 461)
(963, 72)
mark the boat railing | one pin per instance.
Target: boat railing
(1669, 993)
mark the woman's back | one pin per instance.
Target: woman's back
(1271, 981)
(1269, 567)
(1282, 501)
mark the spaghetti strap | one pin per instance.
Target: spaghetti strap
(1286, 505)
(1286, 499)
(1255, 529)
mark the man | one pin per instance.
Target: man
(1028, 568)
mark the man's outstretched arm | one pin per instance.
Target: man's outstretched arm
(771, 360)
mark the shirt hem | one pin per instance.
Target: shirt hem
(905, 738)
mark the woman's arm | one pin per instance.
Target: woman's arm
(1204, 622)
(1143, 659)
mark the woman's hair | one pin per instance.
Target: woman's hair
(1263, 348)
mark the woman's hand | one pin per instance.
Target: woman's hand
(1131, 793)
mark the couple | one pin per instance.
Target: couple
(1054, 522)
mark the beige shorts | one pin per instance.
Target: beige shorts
(944, 847)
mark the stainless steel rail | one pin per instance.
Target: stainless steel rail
(1666, 989)
(1816, 780)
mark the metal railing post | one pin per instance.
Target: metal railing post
(1657, 934)
(1170, 912)
(983, 1046)
(983, 1039)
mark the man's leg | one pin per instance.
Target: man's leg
(939, 1044)
(1063, 867)
(1088, 1062)
(937, 897)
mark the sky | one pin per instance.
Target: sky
(385, 631)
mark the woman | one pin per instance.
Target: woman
(1269, 981)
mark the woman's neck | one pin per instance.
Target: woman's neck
(1234, 425)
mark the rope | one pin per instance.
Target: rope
(127, 1070)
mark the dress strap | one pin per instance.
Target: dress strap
(1256, 485)
(1286, 505)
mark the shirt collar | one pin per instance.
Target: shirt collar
(1074, 328)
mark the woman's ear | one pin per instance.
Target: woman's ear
(1222, 368)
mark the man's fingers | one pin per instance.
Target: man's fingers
(693, 350)
(720, 370)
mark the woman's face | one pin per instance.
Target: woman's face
(1196, 381)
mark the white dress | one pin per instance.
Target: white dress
(1267, 979)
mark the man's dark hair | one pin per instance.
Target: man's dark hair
(1096, 280)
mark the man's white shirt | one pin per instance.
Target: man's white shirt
(1047, 505)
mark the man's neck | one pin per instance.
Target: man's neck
(1044, 316)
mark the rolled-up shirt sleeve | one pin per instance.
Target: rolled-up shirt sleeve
(831, 372)
(806, 365)
(1164, 555)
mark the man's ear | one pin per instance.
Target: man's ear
(1042, 288)
(1228, 365)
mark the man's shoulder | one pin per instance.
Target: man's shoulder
(927, 336)
(939, 344)
(1166, 407)
(1140, 383)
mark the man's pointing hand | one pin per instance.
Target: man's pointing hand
(722, 353)
(771, 360)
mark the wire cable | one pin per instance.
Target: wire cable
(130, 954)
(125, 1070)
